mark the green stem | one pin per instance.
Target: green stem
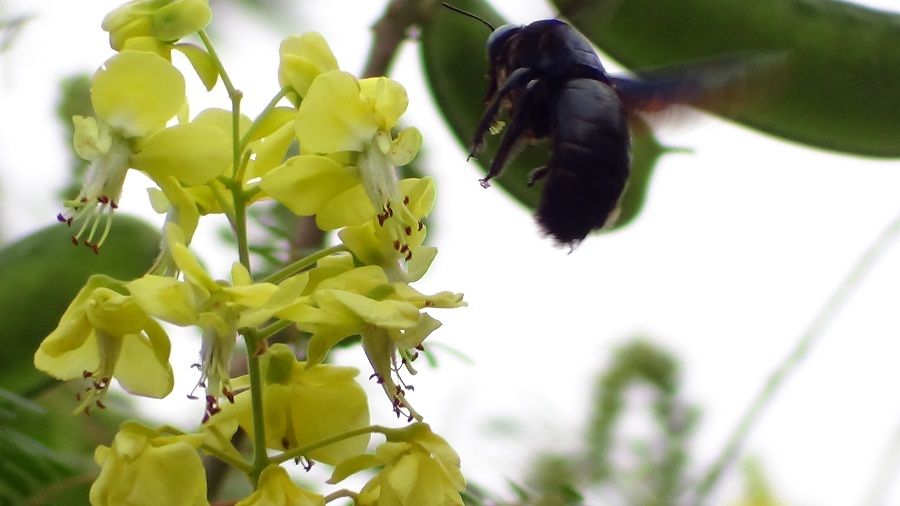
(232, 460)
(295, 267)
(260, 459)
(807, 339)
(304, 450)
(338, 494)
(263, 115)
(273, 328)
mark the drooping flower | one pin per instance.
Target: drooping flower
(419, 468)
(275, 488)
(219, 309)
(134, 94)
(104, 334)
(304, 405)
(144, 467)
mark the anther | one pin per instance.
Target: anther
(406, 199)
(408, 230)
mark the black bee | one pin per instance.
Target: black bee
(547, 77)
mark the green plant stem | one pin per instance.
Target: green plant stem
(273, 328)
(252, 341)
(338, 494)
(260, 459)
(304, 450)
(295, 267)
(215, 452)
(804, 343)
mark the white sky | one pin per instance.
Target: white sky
(739, 245)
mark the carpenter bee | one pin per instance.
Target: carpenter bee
(549, 81)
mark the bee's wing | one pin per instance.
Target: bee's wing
(724, 86)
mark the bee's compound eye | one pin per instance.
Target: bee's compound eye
(499, 38)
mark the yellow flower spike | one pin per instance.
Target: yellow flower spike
(137, 92)
(103, 335)
(193, 153)
(92, 139)
(302, 58)
(350, 207)
(275, 488)
(164, 20)
(420, 469)
(333, 117)
(305, 405)
(144, 468)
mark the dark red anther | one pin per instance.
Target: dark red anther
(406, 199)
(103, 199)
(113, 204)
(381, 219)
(408, 230)
(77, 396)
(86, 374)
(397, 245)
(409, 255)
(420, 347)
(285, 444)
(74, 240)
(87, 411)
(405, 248)
(421, 226)
(99, 404)
(228, 394)
(94, 248)
(84, 200)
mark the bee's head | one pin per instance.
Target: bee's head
(497, 41)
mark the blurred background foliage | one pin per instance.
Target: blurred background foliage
(853, 110)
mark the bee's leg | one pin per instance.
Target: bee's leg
(537, 174)
(519, 78)
(517, 126)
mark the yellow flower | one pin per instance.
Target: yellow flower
(145, 468)
(217, 308)
(104, 334)
(134, 94)
(304, 405)
(275, 488)
(163, 21)
(419, 468)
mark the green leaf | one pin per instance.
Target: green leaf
(201, 62)
(455, 61)
(41, 274)
(838, 92)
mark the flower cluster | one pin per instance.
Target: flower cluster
(344, 174)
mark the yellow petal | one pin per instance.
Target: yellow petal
(306, 183)
(333, 117)
(302, 58)
(137, 92)
(193, 153)
(387, 97)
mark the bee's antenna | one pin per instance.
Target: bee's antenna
(466, 13)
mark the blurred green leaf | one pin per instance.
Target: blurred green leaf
(839, 89)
